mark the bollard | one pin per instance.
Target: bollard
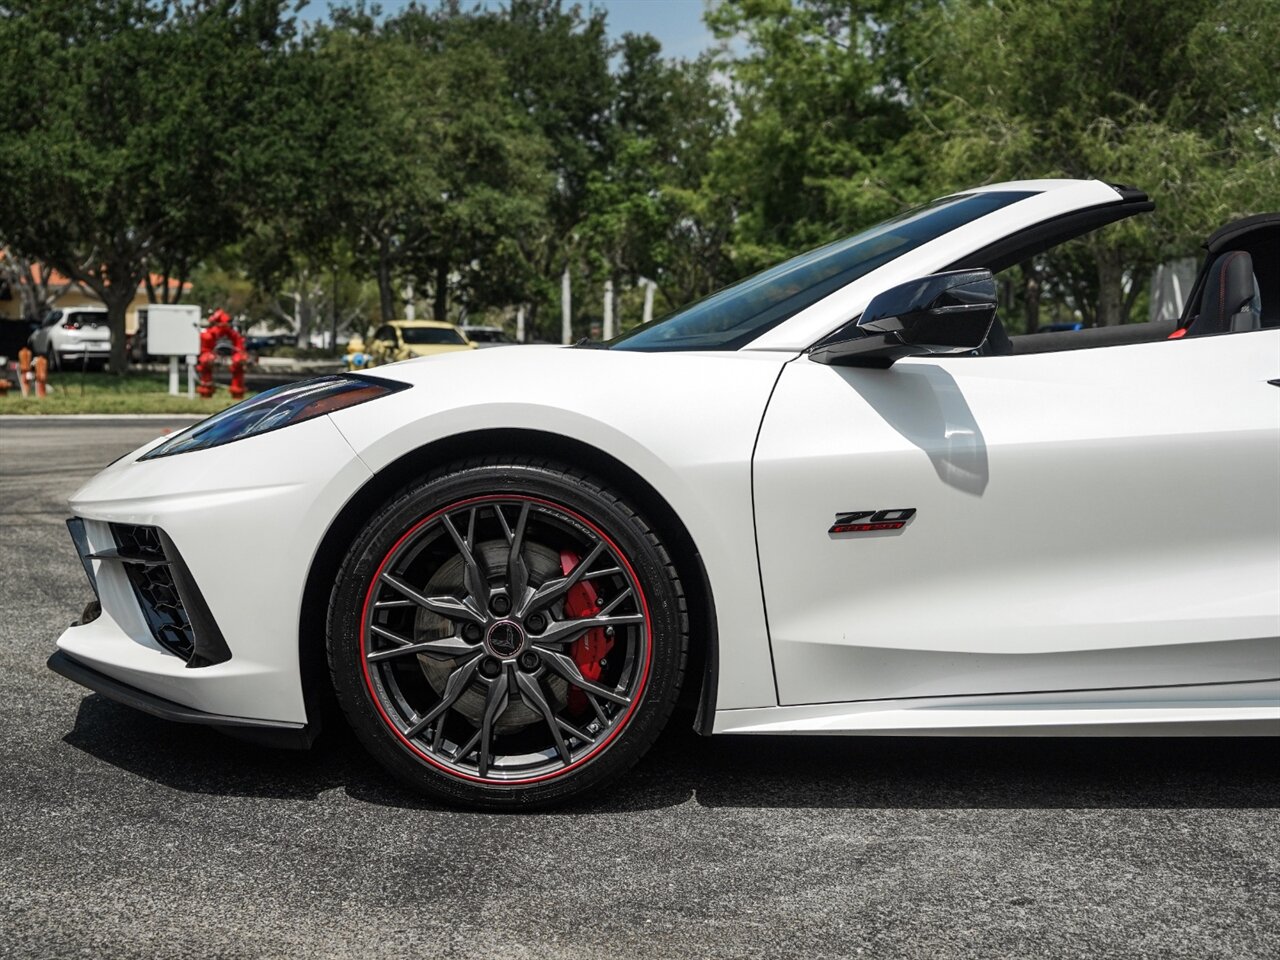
(42, 376)
(24, 371)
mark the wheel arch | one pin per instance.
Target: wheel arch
(345, 527)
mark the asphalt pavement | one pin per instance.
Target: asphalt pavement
(126, 836)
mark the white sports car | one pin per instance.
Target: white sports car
(832, 498)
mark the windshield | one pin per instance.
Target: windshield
(431, 335)
(732, 317)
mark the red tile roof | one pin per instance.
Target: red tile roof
(57, 279)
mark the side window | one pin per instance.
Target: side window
(386, 334)
(1071, 288)
(1078, 295)
(1072, 291)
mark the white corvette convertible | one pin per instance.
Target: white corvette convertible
(832, 498)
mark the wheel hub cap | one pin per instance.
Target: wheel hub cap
(505, 640)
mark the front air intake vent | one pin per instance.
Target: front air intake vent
(171, 604)
(151, 577)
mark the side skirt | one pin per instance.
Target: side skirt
(1213, 710)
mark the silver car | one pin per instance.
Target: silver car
(70, 338)
(487, 336)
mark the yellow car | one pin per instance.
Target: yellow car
(405, 339)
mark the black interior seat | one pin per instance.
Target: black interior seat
(1231, 302)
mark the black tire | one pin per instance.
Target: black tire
(548, 501)
(54, 360)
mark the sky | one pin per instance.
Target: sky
(676, 23)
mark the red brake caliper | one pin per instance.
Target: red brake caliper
(593, 646)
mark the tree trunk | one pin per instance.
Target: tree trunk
(1130, 298)
(440, 296)
(386, 296)
(117, 307)
(1110, 288)
(305, 313)
(1031, 297)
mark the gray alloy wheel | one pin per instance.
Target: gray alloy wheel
(512, 642)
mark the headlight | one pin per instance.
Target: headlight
(276, 408)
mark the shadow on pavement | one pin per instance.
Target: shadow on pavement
(740, 771)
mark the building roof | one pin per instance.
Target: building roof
(56, 279)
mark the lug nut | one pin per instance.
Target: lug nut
(529, 660)
(490, 667)
(471, 632)
(500, 605)
(536, 623)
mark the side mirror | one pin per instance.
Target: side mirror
(943, 313)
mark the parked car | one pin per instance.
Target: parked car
(406, 339)
(486, 336)
(70, 338)
(811, 502)
(262, 345)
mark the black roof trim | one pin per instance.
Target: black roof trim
(1128, 193)
(1039, 237)
(1238, 228)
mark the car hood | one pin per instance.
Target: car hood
(537, 371)
(613, 399)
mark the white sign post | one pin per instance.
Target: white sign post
(173, 330)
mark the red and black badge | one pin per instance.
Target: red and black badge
(869, 521)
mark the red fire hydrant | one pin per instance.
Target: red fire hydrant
(221, 340)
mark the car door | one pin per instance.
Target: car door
(1097, 518)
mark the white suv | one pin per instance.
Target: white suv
(69, 338)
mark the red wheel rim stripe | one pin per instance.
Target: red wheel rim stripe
(364, 639)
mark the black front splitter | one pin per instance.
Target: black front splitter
(274, 733)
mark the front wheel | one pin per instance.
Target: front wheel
(508, 633)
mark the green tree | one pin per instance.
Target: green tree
(129, 153)
(821, 146)
(558, 60)
(430, 166)
(654, 211)
(1179, 97)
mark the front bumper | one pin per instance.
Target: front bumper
(244, 522)
(94, 348)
